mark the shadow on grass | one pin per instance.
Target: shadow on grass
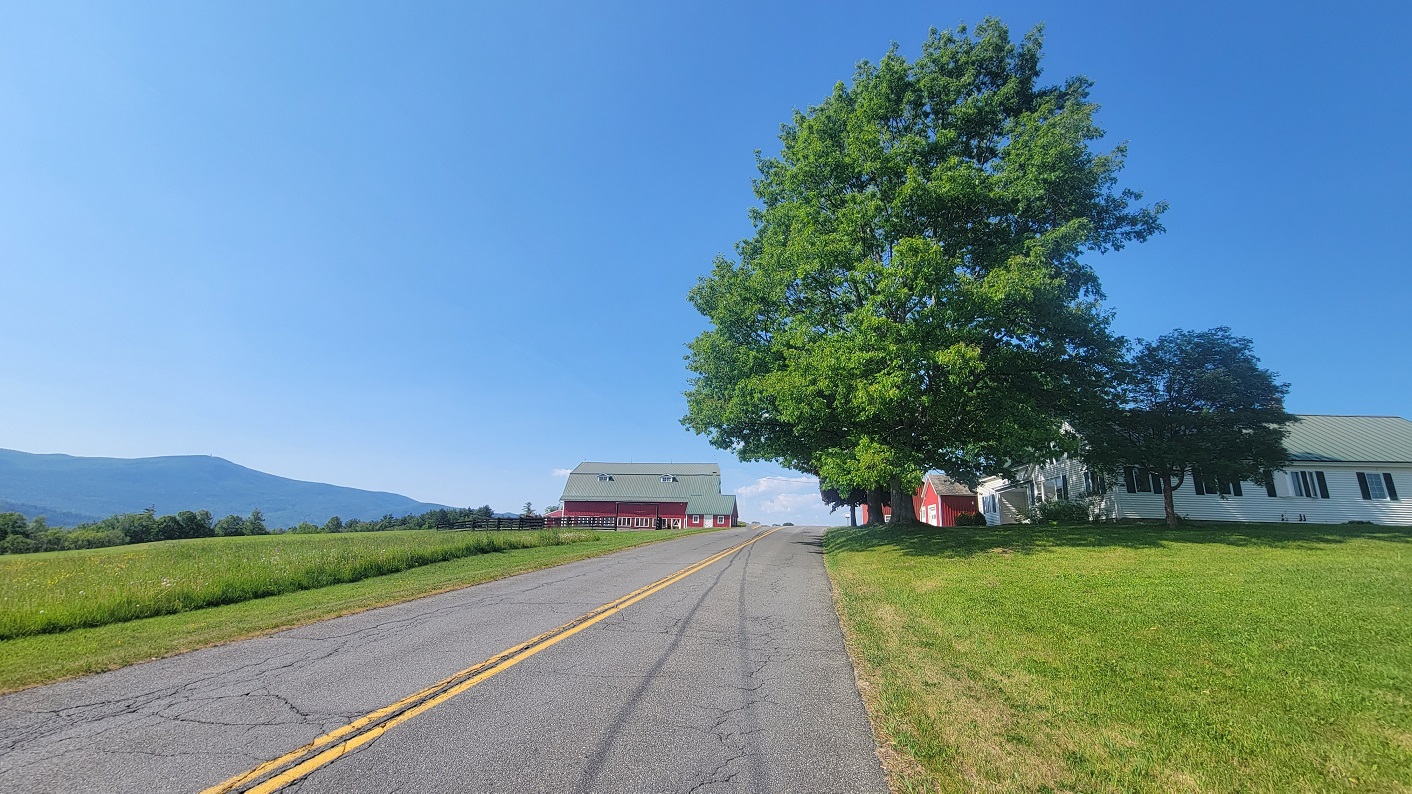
(929, 541)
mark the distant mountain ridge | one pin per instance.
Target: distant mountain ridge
(67, 490)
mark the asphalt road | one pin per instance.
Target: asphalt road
(733, 678)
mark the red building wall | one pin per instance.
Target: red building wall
(952, 505)
(632, 509)
(591, 508)
(947, 506)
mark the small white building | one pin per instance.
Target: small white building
(1342, 468)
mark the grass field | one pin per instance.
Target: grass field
(1222, 658)
(40, 658)
(56, 591)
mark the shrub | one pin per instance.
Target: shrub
(970, 520)
(1059, 511)
(93, 538)
(18, 544)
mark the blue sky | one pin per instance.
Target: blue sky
(443, 250)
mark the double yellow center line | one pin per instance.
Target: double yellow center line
(298, 764)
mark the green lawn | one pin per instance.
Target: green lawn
(1123, 658)
(112, 581)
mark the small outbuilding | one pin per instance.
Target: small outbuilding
(937, 501)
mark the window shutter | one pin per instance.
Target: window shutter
(1130, 479)
(1323, 485)
(1363, 485)
(1064, 486)
(1157, 484)
(1391, 490)
(1270, 484)
(1196, 482)
(1235, 488)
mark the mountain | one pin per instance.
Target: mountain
(68, 490)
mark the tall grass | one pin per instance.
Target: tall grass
(57, 591)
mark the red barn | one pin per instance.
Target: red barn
(936, 501)
(637, 495)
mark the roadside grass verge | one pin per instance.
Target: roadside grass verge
(1120, 658)
(37, 659)
(57, 591)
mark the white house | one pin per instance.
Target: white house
(1342, 468)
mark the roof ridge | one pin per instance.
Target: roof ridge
(1359, 416)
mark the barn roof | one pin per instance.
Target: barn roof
(694, 483)
(711, 504)
(590, 467)
(1350, 439)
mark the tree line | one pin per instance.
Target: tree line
(914, 296)
(19, 535)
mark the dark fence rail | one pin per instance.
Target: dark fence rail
(546, 522)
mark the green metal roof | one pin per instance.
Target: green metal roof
(711, 504)
(590, 467)
(1350, 439)
(631, 482)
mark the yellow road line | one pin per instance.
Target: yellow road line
(295, 765)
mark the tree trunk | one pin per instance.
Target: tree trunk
(902, 509)
(875, 514)
(853, 515)
(1167, 502)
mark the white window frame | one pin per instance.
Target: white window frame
(1304, 484)
(1377, 486)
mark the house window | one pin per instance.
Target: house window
(1377, 485)
(1057, 487)
(1140, 480)
(641, 521)
(624, 521)
(1206, 487)
(988, 503)
(1309, 484)
(695, 521)
(721, 520)
(669, 478)
(605, 478)
(1094, 484)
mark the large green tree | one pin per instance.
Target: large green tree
(1196, 404)
(913, 295)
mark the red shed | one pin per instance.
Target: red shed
(936, 501)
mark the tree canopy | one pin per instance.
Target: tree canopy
(1196, 404)
(912, 296)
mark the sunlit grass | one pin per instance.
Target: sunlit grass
(42, 658)
(57, 591)
(1231, 658)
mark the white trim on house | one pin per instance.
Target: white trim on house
(1317, 491)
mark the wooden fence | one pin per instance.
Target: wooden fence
(545, 522)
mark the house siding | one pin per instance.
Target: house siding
(1345, 502)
